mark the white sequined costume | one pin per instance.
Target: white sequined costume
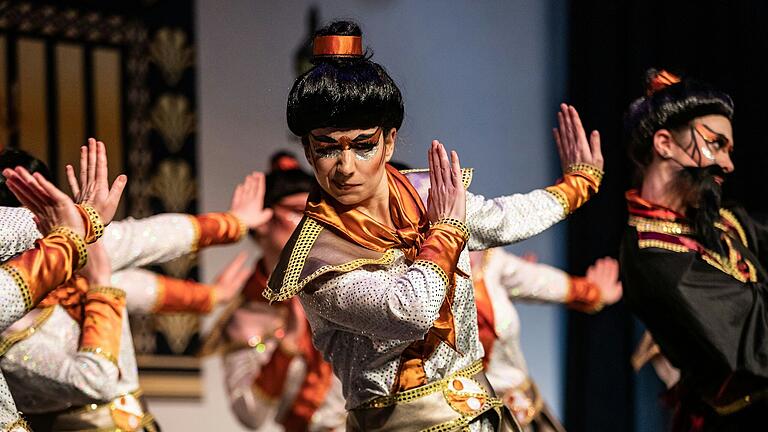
(46, 371)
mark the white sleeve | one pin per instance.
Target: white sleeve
(156, 239)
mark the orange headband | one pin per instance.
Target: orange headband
(338, 46)
(661, 80)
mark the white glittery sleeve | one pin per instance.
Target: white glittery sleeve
(141, 289)
(18, 231)
(241, 367)
(379, 303)
(156, 239)
(12, 300)
(531, 281)
(8, 412)
(509, 219)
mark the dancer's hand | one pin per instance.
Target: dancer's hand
(605, 274)
(93, 188)
(98, 270)
(572, 141)
(229, 282)
(248, 201)
(447, 197)
(50, 206)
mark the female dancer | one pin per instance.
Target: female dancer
(384, 279)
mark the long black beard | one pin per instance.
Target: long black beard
(702, 197)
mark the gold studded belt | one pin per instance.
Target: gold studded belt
(126, 413)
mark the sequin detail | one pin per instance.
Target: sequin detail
(23, 286)
(18, 231)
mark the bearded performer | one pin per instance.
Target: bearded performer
(274, 375)
(95, 383)
(693, 268)
(28, 278)
(384, 278)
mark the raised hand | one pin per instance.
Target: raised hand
(572, 143)
(447, 197)
(248, 201)
(50, 206)
(98, 270)
(229, 282)
(605, 274)
(93, 188)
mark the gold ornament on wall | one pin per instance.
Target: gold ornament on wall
(173, 185)
(170, 52)
(178, 329)
(173, 120)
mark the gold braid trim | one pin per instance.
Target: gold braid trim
(587, 169)
(194, 247)
(18, 279)
(741, 403)
(82, 253)
(100, 351)
(434, 267)
(561, 198)
(6, 342)
(460, 225)
(642, 224)
(425, 390)
(16, 424)
(97, 225)
(100, 289)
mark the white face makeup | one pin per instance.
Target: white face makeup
(364, 147)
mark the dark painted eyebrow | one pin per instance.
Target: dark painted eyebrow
(329, 140)
(720, 135)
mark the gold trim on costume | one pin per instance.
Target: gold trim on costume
(590, 170)
(100, 351)
(18, 279)
(18, 423)
(741, 403)
(101, 289)
(425, 390)
(6, 342)
(561, 198)
(194, 247)
(97, 225)
(654, 225)
(455, 223)
(434, 267)
(79, 242)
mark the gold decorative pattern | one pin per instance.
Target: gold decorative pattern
(171, 53)
(100, 352)
(178, 329)
(290, 284)
(425, 390)
(172, 118)
(455, 223)
(588, 169)
(115, 292)
(6, 342)
(642, 224)
(96, 223)
(434, 267)
(18, 424)
(173, 185)
(18, 279)
(561, 198)
(77, 240)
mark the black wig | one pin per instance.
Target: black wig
(669, 107)
(345, 92)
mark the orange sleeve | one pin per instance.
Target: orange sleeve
(273, 374)
(50, 263)
(442, 247)
(217, 228)
(102, 326)
(178, 295)
(583, 295)
(578, 185)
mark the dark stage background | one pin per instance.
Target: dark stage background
(611, 45)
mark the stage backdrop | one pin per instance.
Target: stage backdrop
(485, 77)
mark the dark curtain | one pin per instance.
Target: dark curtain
(611, 45)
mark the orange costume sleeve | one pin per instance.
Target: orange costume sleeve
(103, 320)
(178, 295)
(49, 264)
(273, 374)
(216, 229)
(443, 245)
(579, 183)
(583, 296)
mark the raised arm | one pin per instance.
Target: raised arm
(509, 219)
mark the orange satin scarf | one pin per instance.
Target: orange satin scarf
(411, 225)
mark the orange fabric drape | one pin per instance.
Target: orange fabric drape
(179, 295)
(576, 188)
(486, 321)
(442, 246)
(102, 323)
(583, 295)
(70, 296)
